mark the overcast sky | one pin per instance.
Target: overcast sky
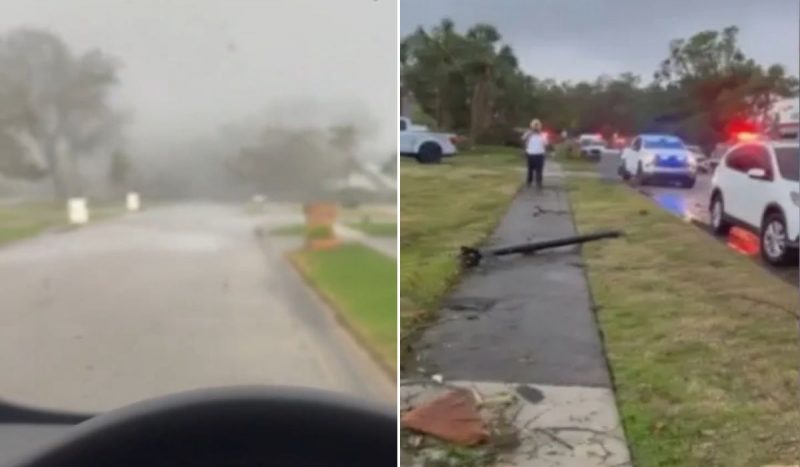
(193, 65)
(581, 39)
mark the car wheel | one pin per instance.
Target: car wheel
(719, 225)
(429, 153)
(774, 244)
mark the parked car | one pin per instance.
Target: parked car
(426, 146)
(592, 146)
(658, 157)
(703, 161)
(756, 187)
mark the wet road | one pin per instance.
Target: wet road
(162, 301)
(689, 204)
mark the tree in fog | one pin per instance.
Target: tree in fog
(119, 170)
(54, 108)
(298, 163)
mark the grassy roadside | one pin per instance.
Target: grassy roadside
(21, 221)
(361, 286)
(443, 207)
(703, 350)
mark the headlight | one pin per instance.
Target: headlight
(796, 198)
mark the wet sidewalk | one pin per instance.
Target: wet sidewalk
(523, 326)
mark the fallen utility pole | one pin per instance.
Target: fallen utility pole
(471, 257)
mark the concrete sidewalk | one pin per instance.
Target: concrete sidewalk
(385, 245)
(523, 326)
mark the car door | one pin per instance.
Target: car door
(737, 185)
(759, 190)
(407, 139)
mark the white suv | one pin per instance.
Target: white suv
(756, 185)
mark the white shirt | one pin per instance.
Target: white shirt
(535, 143)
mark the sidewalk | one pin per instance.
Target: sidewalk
(386, 245)
(522, 327)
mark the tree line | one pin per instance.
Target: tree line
(472, 83)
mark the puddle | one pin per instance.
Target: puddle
(673, 203)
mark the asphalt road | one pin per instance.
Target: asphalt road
(162, 301)
(685, 203)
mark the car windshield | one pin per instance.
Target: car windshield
(590, 142)
(663, 143)
(203, 160)
(789, 162)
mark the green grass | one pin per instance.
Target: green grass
(361, 284)
(289, 230)
(376, 229)
(442, 207)
(703, 349)
(26, 220)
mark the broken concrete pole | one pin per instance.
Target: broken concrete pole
(471, 257)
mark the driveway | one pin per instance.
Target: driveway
(167, 300)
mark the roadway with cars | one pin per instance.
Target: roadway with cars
(692, 203)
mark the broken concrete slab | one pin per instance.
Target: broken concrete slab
(552, 426)
(452, 416)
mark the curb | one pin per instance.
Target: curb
(374, 355)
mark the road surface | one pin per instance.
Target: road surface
(167, 300)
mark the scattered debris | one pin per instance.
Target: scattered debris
(451, 417)
(471, 257)
(530, 394)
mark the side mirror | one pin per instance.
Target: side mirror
(757, 174)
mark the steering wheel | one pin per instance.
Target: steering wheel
(231, 427)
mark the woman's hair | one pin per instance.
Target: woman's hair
(536, 124)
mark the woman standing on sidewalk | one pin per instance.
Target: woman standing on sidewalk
(535, 143)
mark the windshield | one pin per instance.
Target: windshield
(204, 159)
(789, 163)
(591, 142)
(663, 143)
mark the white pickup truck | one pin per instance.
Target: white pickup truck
(426, 146)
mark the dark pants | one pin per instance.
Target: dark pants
(535, 165)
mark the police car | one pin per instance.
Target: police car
(658, 157)
(756, 186)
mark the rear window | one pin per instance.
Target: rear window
(664, 143)
(789, 163)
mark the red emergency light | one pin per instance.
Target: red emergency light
(746, 136)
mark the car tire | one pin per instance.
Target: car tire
(719, 225)
(429, 153)
(773, 241)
